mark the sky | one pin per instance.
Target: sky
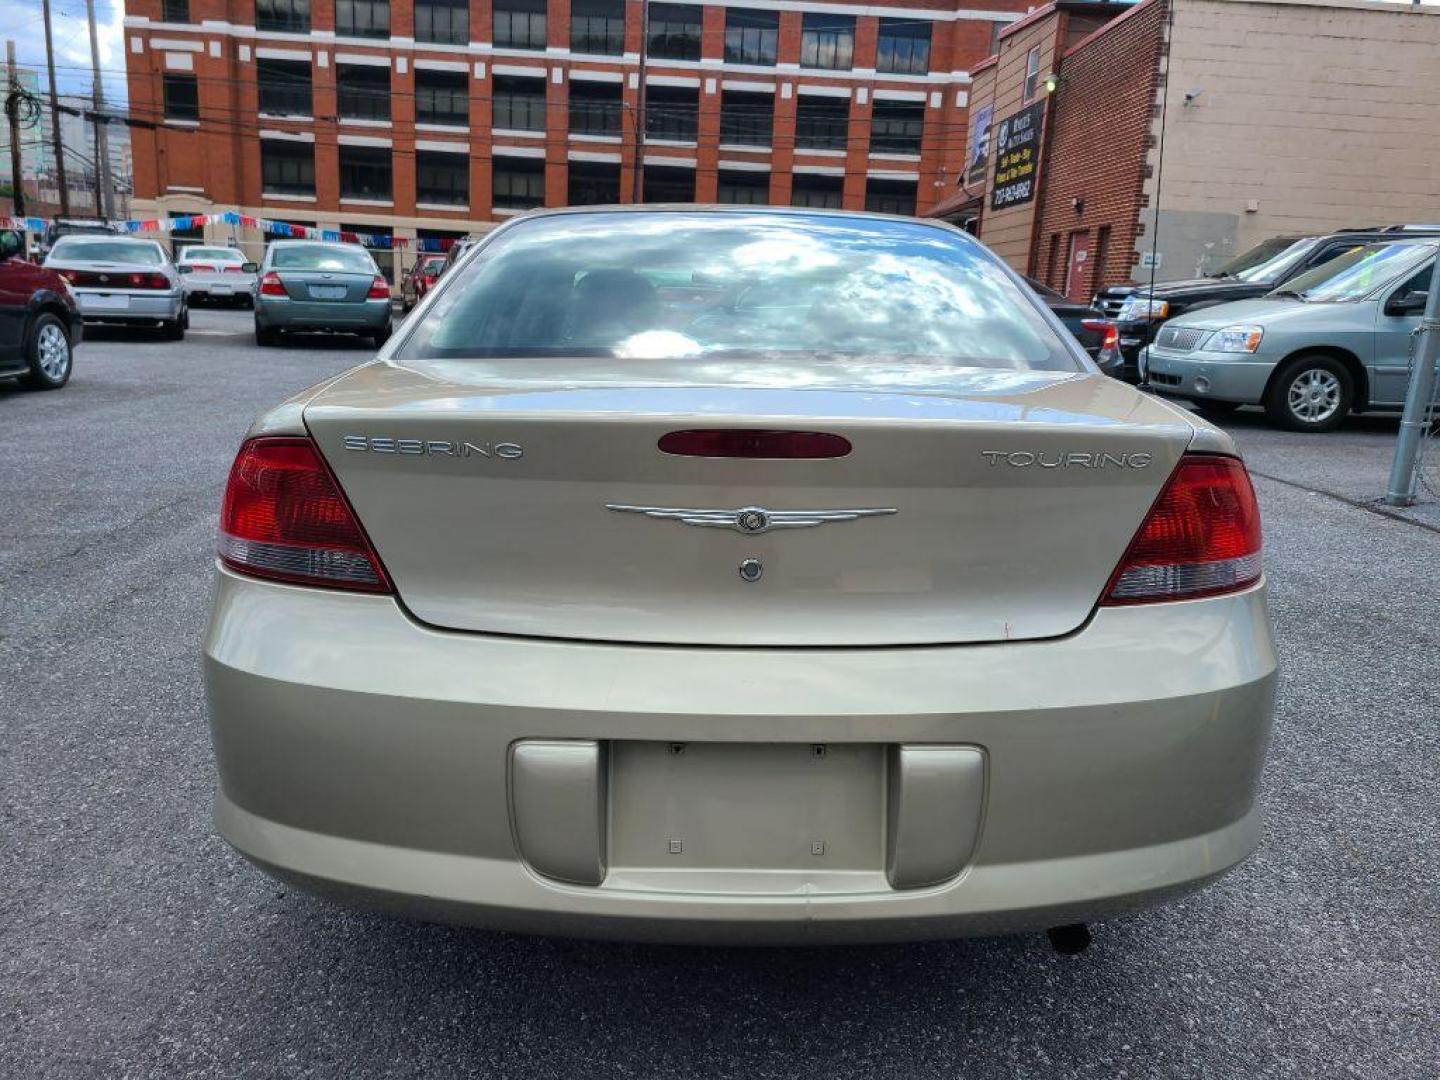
(21, 20)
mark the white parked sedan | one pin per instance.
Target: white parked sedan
(217, 274)
(123, 279)
(739, 575)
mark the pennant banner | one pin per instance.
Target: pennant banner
(381, 241)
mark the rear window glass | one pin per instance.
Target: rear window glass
(83, 249)
(678, 284)
(322, 257)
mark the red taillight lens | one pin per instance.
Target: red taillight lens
(271, 285)
(379, 289)
(71, 276)
(284, 517)
(202, 267)
(1110, 332)
(743, 443)
(1201, 538)
(149, 281)
(232, 268)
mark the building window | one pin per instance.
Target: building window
(896, 128)
(890, 196)
(182, 97)
(363, 91)
(827, 41)
(284, 87)
(669, 184)
(826, 192)
(674, 32)
(442, 178)
(365, 172)
(672, 112)
(746, 119)
(286, 167)
(904, 47)
(751, 37)
(444, 21)
(519, 103)
(821, 123)
(743, 187)
(442, 97)
(175, 11)
(518, 183)
(287, 16)
(384, 256)
(594, 183)
(520, 24)
(597, 27)
(594, 108)
(1032, 73)
(362, 18)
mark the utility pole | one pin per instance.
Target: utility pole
(104, 191)
(1419, 395)
(637, 179)
(55, 115)
(12, 114)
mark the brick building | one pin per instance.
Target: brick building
(434, 118)
(1279, 117)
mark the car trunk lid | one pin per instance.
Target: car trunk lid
(325, 285)
(531, 497)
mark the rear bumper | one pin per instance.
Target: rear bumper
(281, 314)
(227, 286)
(1203, 376)
(372, 759)
(139, 307)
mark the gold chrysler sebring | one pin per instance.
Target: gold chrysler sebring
(738, 575)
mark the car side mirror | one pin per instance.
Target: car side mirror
(183, 269)
(1407, 303)
(12, 244)
(249, 268)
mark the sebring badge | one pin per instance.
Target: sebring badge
(750, 520)
(508, 451)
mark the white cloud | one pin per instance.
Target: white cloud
(22, 21)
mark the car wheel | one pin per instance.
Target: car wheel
(185, 317)
(1216, 409)
(381, 336)
(48, 353)
(173, 330)
(265, 335)
(1310, 393)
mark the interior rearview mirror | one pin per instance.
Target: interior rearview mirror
(11, 244)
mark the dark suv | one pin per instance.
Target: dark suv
(39, 319)
(1139, 313)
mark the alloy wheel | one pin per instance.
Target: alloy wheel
(53, 352)
(1314, 395)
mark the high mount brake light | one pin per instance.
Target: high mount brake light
(285, 518)
(747, 443)
(1200, 538)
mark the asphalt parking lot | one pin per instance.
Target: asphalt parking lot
(134, 943)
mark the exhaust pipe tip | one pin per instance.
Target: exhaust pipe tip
(1070, 940)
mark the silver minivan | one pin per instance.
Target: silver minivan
(1332, 341)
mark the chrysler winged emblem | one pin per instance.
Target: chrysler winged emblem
(750, 519)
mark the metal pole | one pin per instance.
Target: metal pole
(637, 178)
(12, 114)
(1404, 469)
(103, 189)
(55, 115)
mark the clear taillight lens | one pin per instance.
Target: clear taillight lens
(271, 285)
(285, 518)
(1201, 538)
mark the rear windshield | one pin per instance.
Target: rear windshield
(351, 260)
(678, 284)
(82, 249)
(222, 254)
(1358, 272)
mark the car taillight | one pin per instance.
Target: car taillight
(1110, 331)
(1201, 537)
(148, 281)
(271, 285)
(233, 268)
(71, 276)
(379, 289)
(285, 518)
(206, 267)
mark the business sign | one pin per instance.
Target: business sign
(979, 159)
(1017, 154)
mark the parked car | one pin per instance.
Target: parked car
(1334, 341)
(310, 285)
(418, 281)
(1139, 313)
(1087, 323)
(73, 226)
(123, 279)
(40, 322)
(851, 604)
(217, 274)
(457, 251)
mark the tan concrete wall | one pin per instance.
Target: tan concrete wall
(1324, 113)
